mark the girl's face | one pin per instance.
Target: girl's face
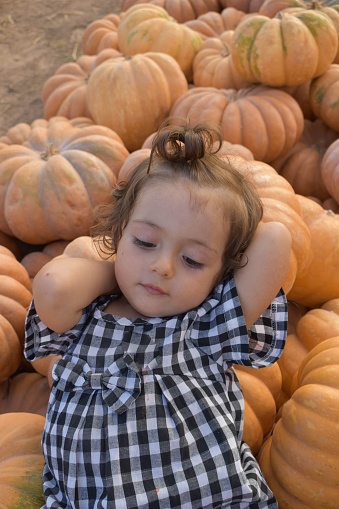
(171, 250)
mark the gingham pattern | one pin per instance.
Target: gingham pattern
(149, 414)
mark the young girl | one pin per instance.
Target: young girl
(145, 410)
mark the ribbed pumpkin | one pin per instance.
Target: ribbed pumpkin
(301, 166)
(330, 169)
(50, 184)
(271, 7)
(261, 388)
(214, 24)
(181, 10)
(316, 326)
(149, 28)
(21, 460)
(293, 354)
(15, 296)
(250, 6)
(64, 93)
(136, 94)
(101, 34)
(286, 50)
(318, 281)
(266, 121)
(213, 64)
(25, 392)
(301, 459)
(324, 97)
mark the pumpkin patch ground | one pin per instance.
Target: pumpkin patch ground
(37, 37)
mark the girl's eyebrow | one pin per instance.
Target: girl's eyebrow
(156, 226)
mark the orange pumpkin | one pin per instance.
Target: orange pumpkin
(50, 184)
(301, 166)
(101, 34)
(285, 50)
(213, 64)
(64, 93)
(317, 282)
(267, 121)
(250, 6)
(21, 460)
(301, 459)
(136, 94)
(271, 7)
(330, 169)
(214, 24)
(148, 28)
(316, 326)
(25, 392)
(261, 388)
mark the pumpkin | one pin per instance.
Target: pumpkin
(180, 10)
(301, 95)
(301, 166)
(21, 460)
(267, 121)
(15, 296)
(24, 392)
(316, 326)
(213, 64)
(136, 94)
(293, 354)
(101, 34)
(10, 347)
(261, 388)
(249, 6)
(148, 28)
(64, 93)
(35, 260)
(285, 50)
(330, 169)
(214, 24)
(324, 97)
(271, 7)
(317, 282)
(50, 184)
(300, 460)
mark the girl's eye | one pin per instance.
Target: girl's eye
(192, 263)
(143, 243)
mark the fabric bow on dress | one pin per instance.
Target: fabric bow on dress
(120, 384)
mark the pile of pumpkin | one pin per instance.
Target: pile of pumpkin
(266, 71)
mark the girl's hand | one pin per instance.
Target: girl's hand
(64, 286)
(268, 259)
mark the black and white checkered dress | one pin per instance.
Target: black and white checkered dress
(148, 414)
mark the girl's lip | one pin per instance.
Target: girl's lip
(154, 290)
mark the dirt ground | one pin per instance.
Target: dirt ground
(36, 37)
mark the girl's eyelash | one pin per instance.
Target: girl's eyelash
(142, 243)
(192, 263)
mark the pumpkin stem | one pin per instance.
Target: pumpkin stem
(50, 151)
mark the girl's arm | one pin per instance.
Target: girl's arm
(268, 261)
(64, 286)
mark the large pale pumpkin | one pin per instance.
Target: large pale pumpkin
(286, 50)
(180, 10)
(301, 459)
(136, 94)
(317, 282)
(149, 28)
(50, 184)
(214, 24)
(324, 97)
(21, 460)
(266, 121)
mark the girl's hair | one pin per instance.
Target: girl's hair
(189, 153)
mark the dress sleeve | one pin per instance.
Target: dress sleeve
(222, 333)
(41, 341)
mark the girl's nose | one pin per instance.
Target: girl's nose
(163, 265)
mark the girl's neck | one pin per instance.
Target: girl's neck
(121, 307)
